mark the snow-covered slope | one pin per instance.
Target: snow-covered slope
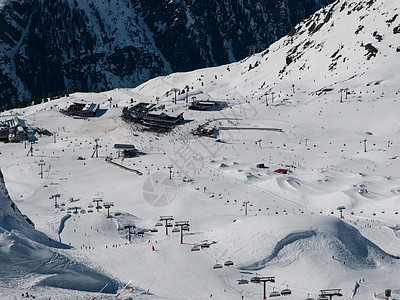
(341, 149)
(29, 258)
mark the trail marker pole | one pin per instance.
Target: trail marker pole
(100, 291)
(123, 289)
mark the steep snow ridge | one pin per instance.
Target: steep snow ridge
(26, 252)
(312, 48)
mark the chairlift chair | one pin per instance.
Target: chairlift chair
(90, 211)
(243, 281)
(170, 225)
(159, 224)
(322, 298)
(286, 292)
(255, 279)
(274, 294)
(185, 228)
(154, 230)
(176, 229)
(204, 246)
(217, 266)
(228, 263)
(195, 248)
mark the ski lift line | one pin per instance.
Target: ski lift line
(219, 258)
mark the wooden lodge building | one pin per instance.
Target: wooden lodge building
(148, 114)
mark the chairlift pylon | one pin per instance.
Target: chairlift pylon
(154, 230)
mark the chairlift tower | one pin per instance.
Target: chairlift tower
(341, 208)
(129, 230)
(75, 208)
(365, 145)
(245, 203)
(170, 172)
(264, 280)
(30, 148)
(55, 196)
(184, 225)
(330, 293)
(167, 219)
(41, 164)
(96, 148)
(187, 94)
(341, 95)
(266, 98)
(108, 205)
(175, 90)
(97, 200)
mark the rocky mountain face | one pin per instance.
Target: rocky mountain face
(51, 47)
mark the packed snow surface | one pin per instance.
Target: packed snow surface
(331, 122)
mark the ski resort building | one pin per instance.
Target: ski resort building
(151, 115)
(207, 105)
(13, 130)
(126, 150)
(81, 109)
